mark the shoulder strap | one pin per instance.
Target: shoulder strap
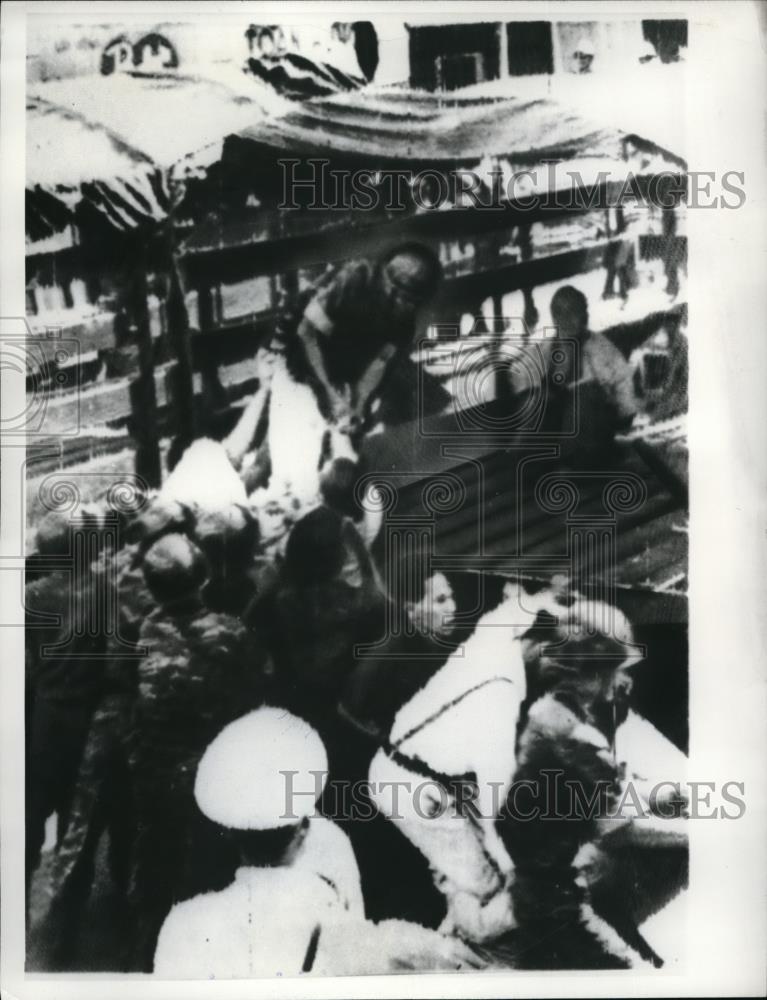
(311, 951)
(446, 708)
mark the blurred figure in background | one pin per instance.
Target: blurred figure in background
(65, 662)
(583, 56)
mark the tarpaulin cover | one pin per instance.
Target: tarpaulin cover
(398, 126)
(113, 140)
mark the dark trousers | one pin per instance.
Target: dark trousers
(55, 738)
(102, 802)
(178, 854)
(396, 879)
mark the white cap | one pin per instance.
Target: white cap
(585, 47)
(242, 782)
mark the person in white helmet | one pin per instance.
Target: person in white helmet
(259, 779)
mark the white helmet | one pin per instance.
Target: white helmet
(262, 771)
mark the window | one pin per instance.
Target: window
(667, 37)
(460, 70)
(449, 56)
(530, 47)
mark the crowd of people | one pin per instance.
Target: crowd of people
(302, 756)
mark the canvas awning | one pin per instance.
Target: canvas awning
(396, 126)
(114, 141)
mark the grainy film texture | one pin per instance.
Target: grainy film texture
(355, 556)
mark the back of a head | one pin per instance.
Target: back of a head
(569, 303)
(315, 552)
(337, 483)
(174, 568)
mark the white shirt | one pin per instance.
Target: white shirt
(472, 704)
(600, 362)
(603, 363)
(263, 923)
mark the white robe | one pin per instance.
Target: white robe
(472, 704)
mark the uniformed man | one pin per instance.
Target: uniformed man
(295, 905)
(200, 671)
(259, 779)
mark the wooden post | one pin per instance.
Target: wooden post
(142, 388)
(181, 374)
(213, 393)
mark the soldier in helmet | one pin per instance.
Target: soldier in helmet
(199, 673)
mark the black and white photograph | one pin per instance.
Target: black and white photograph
(351, 543)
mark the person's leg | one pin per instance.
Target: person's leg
(55, 747)
(157, 866)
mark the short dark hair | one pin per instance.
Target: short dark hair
(315, 551)
(337, 484)
(425, 254)
(570, 298)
